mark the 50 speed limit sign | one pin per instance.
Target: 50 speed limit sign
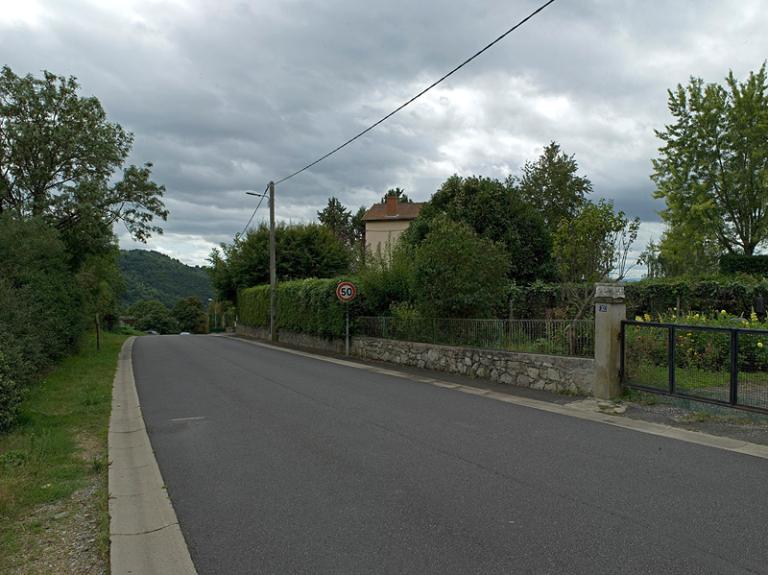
(346, 292)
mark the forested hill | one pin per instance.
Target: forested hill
(152, 275)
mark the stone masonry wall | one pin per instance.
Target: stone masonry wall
(558, 374)
(548, 372)
(297, 339)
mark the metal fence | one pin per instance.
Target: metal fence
(721, 365)
(553, 337)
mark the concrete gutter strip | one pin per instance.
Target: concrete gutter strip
(144, 533)
(583, 409)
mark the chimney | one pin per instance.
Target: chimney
(391, 205)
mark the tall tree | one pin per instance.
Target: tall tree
(357, 234)
(712, 168)
(457, 273)
(58, 159)
(304, 251)
(552, 185)
(336, 218)
(496, 212)
(591, 247)
(399, 193)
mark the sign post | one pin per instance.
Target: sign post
(346, 292)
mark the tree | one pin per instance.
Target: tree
(357, 233)
(337, 219)
(650, 258)
(303, 251)
(687, 250)
(190, 315)
(552, 186)
(58, 158)
(712, 168)
(399, 193)
(593, 247)
(456, 273)
(496, 212)
(153, 315)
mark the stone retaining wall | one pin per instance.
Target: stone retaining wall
(553, 373)
(297, 339)
(549, 372)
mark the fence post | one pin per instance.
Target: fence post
(610, 310)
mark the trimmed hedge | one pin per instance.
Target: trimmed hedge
(741, 264)
(304, 306)
(735, 296)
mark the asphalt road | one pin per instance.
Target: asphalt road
(278, 464)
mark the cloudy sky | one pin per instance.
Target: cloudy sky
(223, 96)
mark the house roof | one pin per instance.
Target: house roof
(405, 211)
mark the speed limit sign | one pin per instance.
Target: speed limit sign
(346, 292)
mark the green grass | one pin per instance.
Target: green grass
(59, 444)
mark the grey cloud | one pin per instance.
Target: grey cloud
(224, 96)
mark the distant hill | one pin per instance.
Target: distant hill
(152, 275)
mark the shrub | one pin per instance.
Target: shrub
(41, 316)
(741, 264)
(190, 315)
(153, 315)
(304, 306)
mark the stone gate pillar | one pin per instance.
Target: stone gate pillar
(610, 309)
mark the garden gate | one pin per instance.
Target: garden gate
(720, 365)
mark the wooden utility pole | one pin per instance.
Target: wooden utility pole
(272, 266)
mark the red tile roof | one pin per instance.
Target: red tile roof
(405, 211)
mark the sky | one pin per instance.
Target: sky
(223, 96)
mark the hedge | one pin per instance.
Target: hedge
(735, 296)
(304, 306)
(741, 264)
(41, 317)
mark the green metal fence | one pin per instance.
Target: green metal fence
(552, 337)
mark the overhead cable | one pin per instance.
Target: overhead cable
(424, 91)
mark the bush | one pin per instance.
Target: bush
(41, 317)
(456, 273)
(304, 306)
(190, 315)
(153, 315)
(735, 295)
(741, 264)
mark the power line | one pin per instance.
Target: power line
(264, 195)
(424, 91)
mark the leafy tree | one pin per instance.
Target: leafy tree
(357, 232)
(595, 244)
(712, 169)
(190, 315)
(303, 251)
(153, 315)
(650, 258)
(58, 158)
(552, 186)
(687, 250)
(456, 273)
(496, 212)
(336, 218)
(399, 193)
(101, 283)
(592, 247)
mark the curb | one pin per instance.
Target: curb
(586, 409)
(145, 537)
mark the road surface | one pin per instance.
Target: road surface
(278, 463)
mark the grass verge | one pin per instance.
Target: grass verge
(53, 467)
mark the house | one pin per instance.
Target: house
(385, 222)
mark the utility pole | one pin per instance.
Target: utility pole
(272, 266)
